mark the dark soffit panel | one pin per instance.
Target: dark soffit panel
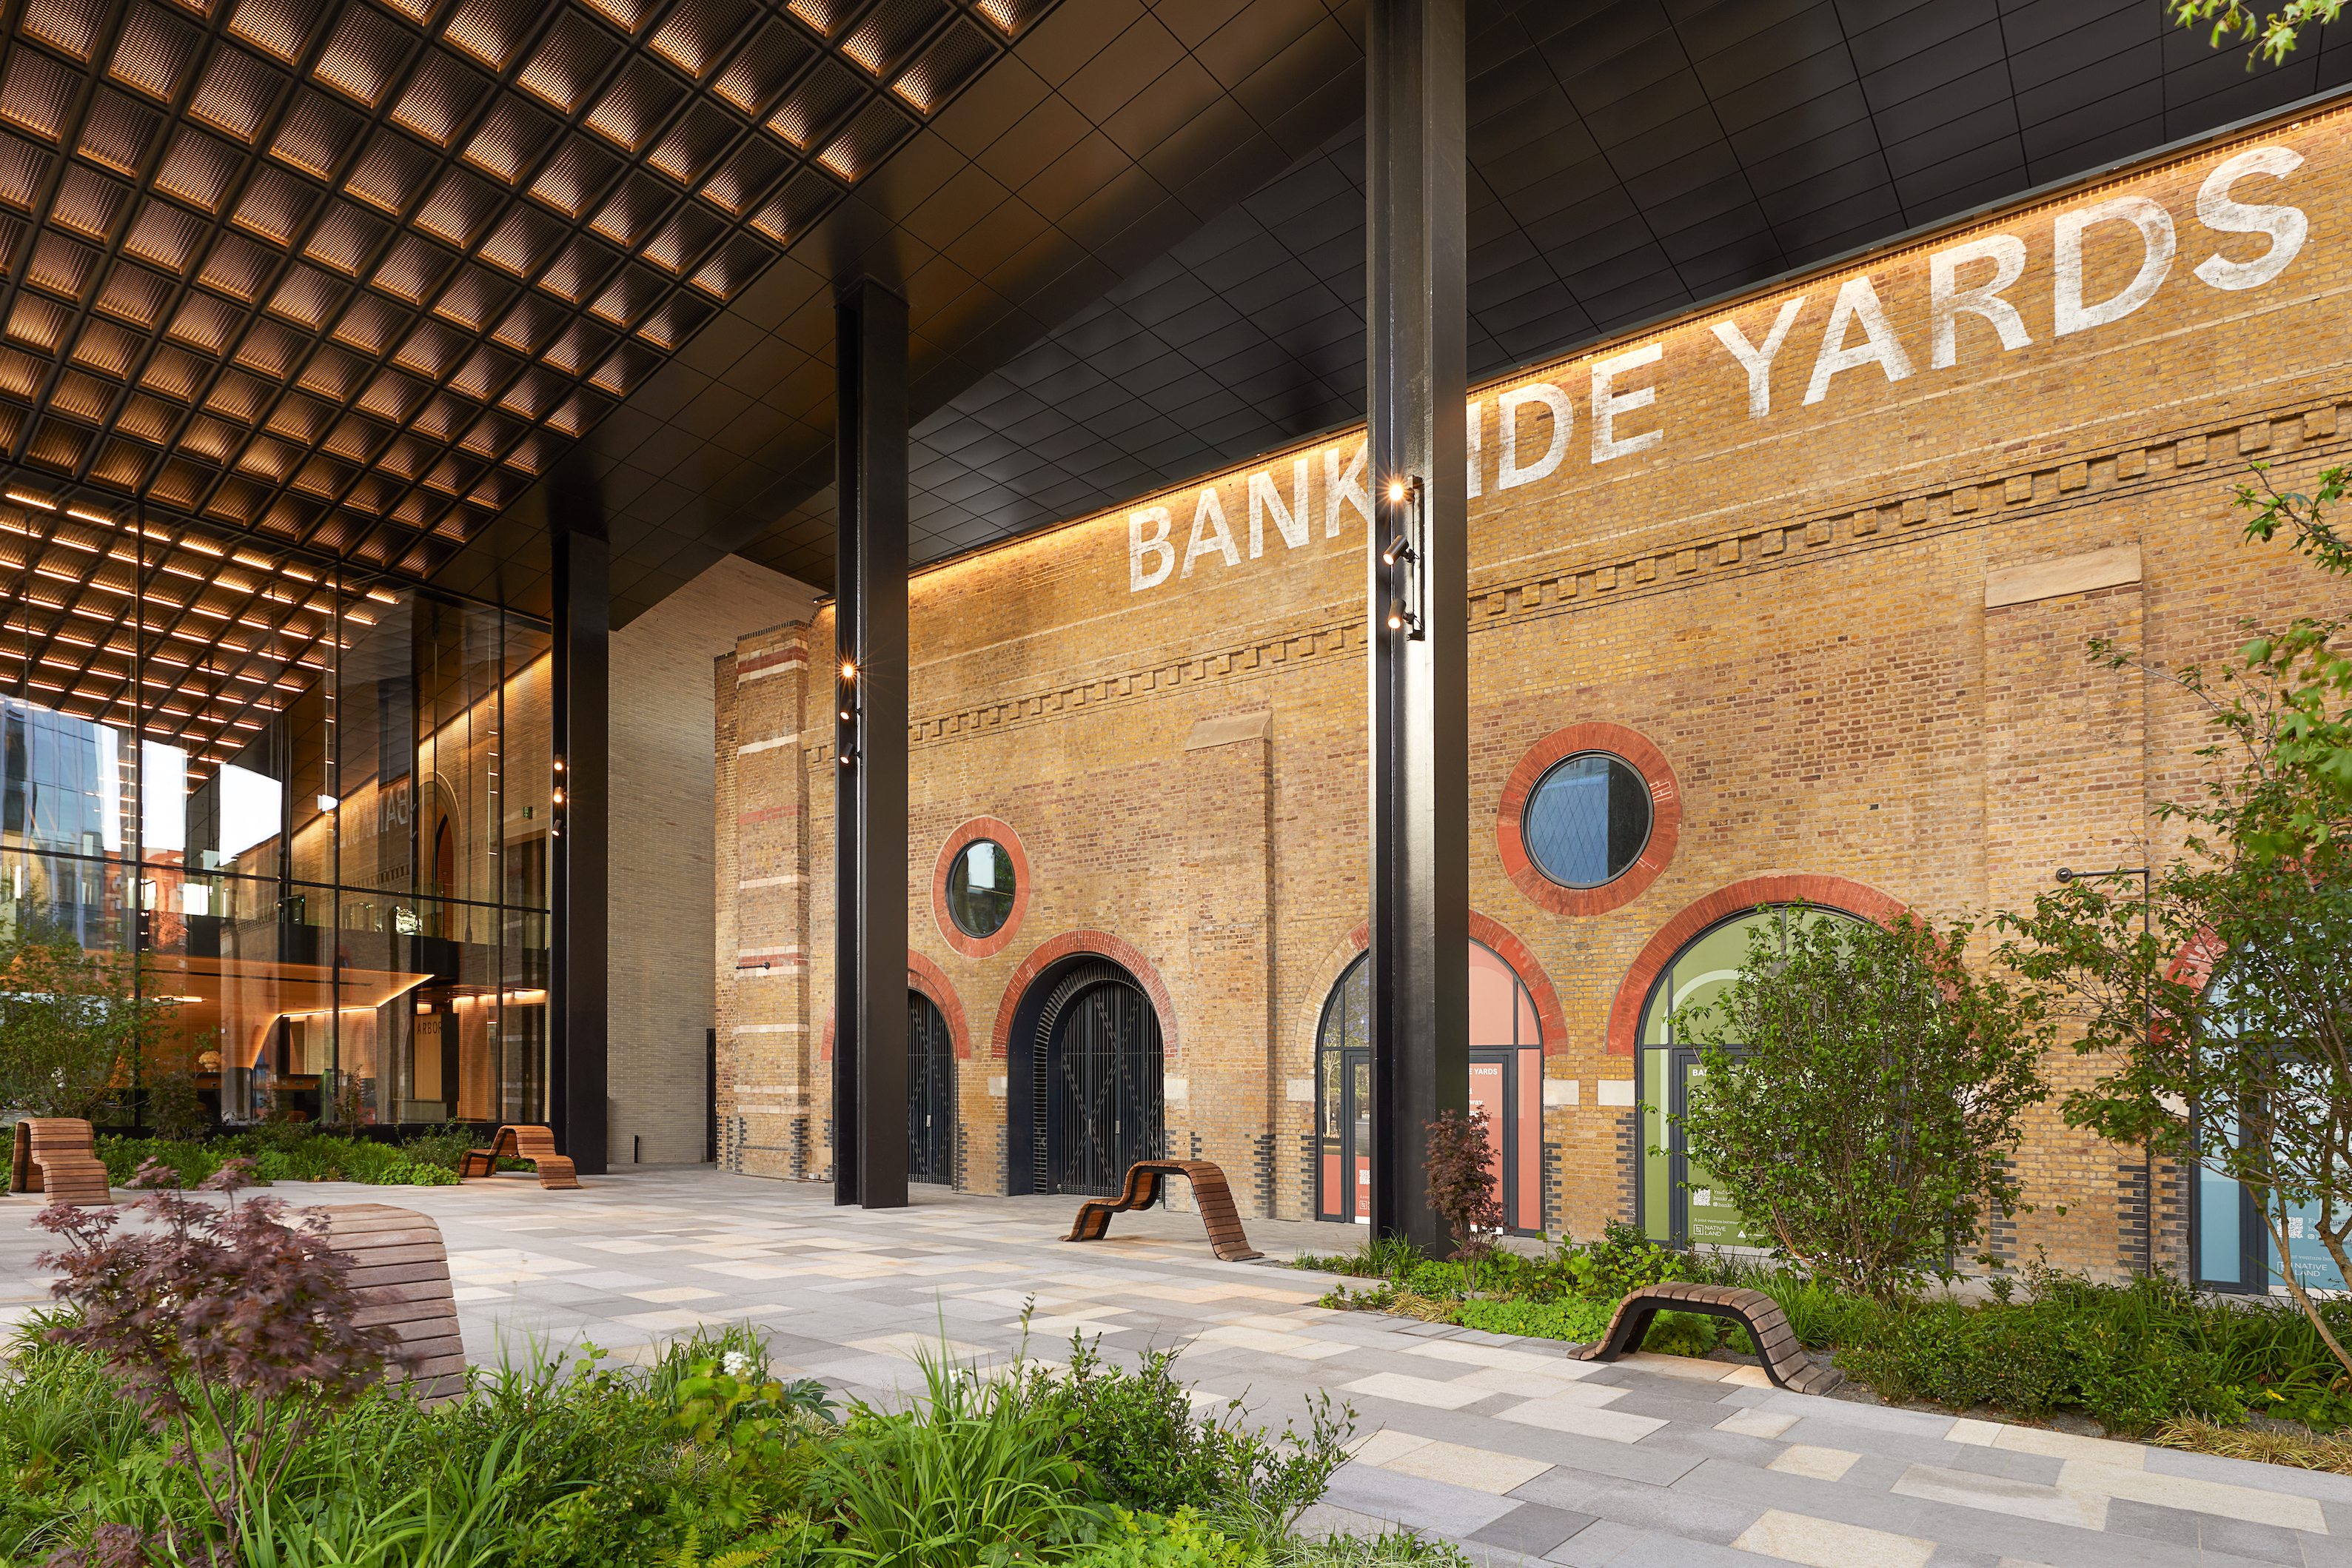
(1108, 131)
(1627, 160)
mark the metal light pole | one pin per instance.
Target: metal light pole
(1416, 320)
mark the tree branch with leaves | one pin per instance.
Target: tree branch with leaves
(2271, 37)
(2222, 1009)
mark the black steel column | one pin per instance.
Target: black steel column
(869, 966)
(1416, 317)
(578, 876)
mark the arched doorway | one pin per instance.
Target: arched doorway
(930, 1093)
(1096, 1077)
(1505, 1078)
(1677, 1199)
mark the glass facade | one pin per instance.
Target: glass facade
(316, 802)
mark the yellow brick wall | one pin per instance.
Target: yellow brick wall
(1789, 602)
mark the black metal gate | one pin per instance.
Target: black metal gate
(1100, 1076)
(930, 1093)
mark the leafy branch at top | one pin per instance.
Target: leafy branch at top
(2273, 37)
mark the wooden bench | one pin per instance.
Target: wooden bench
(53, 1154)
(534, 1145)
(1785, 1361)
(1145, 1182)
(400, 1272)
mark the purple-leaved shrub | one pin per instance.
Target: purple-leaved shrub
(1462, 1181)
(231, 1325)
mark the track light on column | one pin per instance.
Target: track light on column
(1402, 558)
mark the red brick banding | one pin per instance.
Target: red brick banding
(1486, 929)
(1001, 832)
(1785, 887)
(1103, 945)
(929, 978)
(1666, 818)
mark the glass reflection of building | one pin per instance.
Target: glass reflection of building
(323, 819)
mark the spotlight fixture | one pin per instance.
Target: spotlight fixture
(1402, 558)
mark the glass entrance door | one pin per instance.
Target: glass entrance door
(1505, 1078)
(1692, 1213)
(930, 1093)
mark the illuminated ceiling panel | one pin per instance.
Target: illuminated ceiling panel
(348, 277)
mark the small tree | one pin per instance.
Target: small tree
(231, 1326)
(2222, 1001)
(1462, 1181)
(72, 1025)
(1882, 1085)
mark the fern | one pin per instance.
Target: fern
(689, 1554)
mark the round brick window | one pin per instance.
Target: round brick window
(1587, 819)
(980, 888)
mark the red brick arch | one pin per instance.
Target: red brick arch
(1665, 821)
(1000, 832)
(1483, 929)
(929, 978)
(1775, 888)
(1127, 955)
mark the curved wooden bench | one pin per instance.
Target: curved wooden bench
(55, 1154)
(1785, 1361)
(1145, 1182)
(400, 1272)
(534, 1145)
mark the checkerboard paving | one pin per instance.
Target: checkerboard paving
(1500, 1444)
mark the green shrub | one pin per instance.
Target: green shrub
(980, 1466)
(1379, 1256)
(1152, 1540)
(299, 1155)
(1684, 1333)
(1142, 1446)
(1400, 1549)
(2128, 1370)
(445, 1148)
(1574, 1318)
(1621, 1261)
(1439, 1280)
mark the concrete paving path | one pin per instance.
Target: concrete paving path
(1497, 1443)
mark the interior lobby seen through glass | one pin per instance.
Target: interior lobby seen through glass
(980, 888)
(1587, 820)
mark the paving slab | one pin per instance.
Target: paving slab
(1497, 1443)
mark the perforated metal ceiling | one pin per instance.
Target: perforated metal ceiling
(350, 279)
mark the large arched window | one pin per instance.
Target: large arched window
(1506, 1077)
(1677, 1200)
